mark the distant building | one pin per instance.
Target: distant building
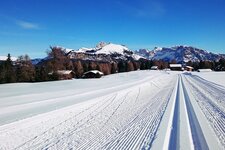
(176, 67)
(154, 68)
(64, 74)
(93, 74)
(189, 68)
(167, 69)
(204, 70)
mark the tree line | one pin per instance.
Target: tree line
(24, 71)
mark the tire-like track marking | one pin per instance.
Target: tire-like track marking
(206, 96)
(196, 131)
(174, 135)
(196, 136)
(39, 140)
(139, 134)
(107, 118)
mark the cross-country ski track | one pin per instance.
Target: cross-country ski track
(135, 110)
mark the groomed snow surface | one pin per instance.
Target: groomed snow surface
(135, 110)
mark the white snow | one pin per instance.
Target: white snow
(135, 110)
(108, 49)
(158, 48)
(105, 49)
(4, 58)
(137, 57)
(175, 65)
(216, 77)
(204, 70)
(84, 49)
(111, 49)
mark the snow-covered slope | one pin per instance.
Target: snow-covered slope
(112, 49)
(136, 110)
(104, 51)
(180, 54)
(215, 77)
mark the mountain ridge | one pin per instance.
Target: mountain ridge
(109, 52)
(181, 54)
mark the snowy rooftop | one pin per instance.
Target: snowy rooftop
(175, 65)
(95, 72)
(64, 72)
(204, 70)
(189, 67)
(154, 67)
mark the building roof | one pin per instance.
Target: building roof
(175, 65)
(62, 72)
(154, 67)
(189, 67)
(95, 72)
(204, 70)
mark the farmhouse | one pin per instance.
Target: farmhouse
(189, 68)
(93, 74)
(176, 67)
(154, 68)
(64, 74)
(204, 70)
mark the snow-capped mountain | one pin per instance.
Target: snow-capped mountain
(180, 54)
(4, 58)
(104, 52)
(104, 48)
(109, 52)
(36, 61)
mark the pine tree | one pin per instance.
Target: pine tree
(85, 67)
(2, 73)
(122, 66)
(9, 71)
(114, 68)
(130, 66)
(142, 66)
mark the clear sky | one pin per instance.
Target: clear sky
(31, 26)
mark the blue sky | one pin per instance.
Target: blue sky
(31, 26)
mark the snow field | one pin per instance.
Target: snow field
(210, 100)
(128, 117)
(19, 101)
(213, 77)
(135, 110)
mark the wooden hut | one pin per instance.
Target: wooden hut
(64, 74)
(189, 68)
(176, 67)
(93, 74)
